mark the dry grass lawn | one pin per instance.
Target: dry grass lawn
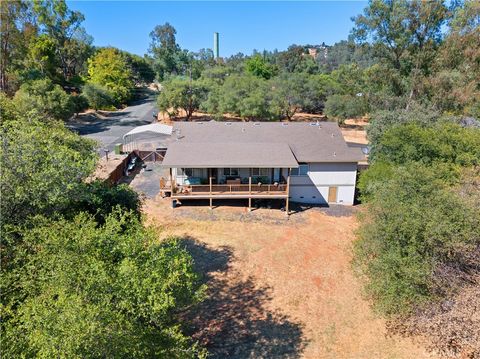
(278, 288)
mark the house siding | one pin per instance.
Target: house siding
(314, 187)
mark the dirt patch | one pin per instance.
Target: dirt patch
(354, 130)
(278, 289)
(355, 136)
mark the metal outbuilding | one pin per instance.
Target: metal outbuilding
(147, 137)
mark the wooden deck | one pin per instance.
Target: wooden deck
(225, 191)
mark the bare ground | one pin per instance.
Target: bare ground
(278, 287)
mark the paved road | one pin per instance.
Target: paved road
(110, 131)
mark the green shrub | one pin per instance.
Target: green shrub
(98, 97)
(442, 142)
(7, 109)
(43, 99)
(79, 103)
(381, 121)
(417, 231)
(372, 179)
(100, 198)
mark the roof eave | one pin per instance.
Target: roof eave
(183, 165)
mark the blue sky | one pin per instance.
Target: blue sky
(243, 26)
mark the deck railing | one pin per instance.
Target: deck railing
(233, 189)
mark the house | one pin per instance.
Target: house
(307, 162)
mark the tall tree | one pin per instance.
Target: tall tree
(290, 60)
(164, 49)
(402, 31)
(142, 70)
(14, 25)
(345, 52)
(179, 93)
(289, 94)
(246, 96)
(405, 34)
(63, 25)
(454, 87)
(110, 68)
(257, 66)
(41, 60)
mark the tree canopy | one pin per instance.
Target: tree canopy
(257, 66)
(110, 69)
(417, 241)
(96, 291)
(43, 40)
(81, 275)
(43, 166)
(180, 93)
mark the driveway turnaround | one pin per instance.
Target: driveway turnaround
(147, 180)
(109, 131)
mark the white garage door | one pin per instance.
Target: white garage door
(306, 194)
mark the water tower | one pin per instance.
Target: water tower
(215, 46)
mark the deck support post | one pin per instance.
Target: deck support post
(211, 199)
(288, 192)
(250, 193)
(171, 185)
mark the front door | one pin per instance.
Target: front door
(332, 194)
(213, 172)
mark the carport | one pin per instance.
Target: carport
(149, 141)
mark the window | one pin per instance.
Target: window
(191, 172)
(302, 170)
(260, 171)
(230, 171)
